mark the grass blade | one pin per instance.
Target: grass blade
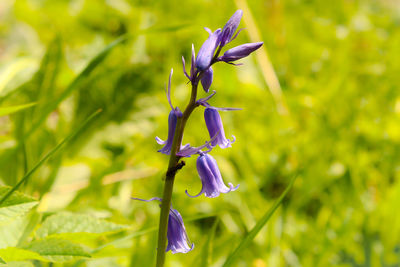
(207, 248)
(9, 110)
(48, 155)
(52, 105)
(260, 224)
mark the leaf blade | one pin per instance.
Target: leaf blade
(259, 225)
(10, 110)
(48, 155)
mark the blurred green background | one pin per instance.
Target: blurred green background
(337, 119)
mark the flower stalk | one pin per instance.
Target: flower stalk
(173, 167)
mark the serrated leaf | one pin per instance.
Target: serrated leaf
(9, 110)
(57, 250)
(15, 205)
(19, 254)
(66, 222)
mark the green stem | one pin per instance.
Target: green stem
(173, 166)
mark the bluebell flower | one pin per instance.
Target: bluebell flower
(239, 52)
(230, 28)
(178, 240)
(210, 176)
(172, 121)
(206, 79)
(215, 127)
(206, 52)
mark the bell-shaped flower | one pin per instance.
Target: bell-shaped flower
(178, 240)
(206, 79)
(239, 52)
(215, 127)
(230, 28)
(206, 52)
(172, 121)
(210, 176)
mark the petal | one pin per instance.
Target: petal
(199, 194)
(159, 141)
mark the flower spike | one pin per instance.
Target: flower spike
(211, 179)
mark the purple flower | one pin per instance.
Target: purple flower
(239, 52)
(230, 28)
(211, 179)
(177, 237)
(215, 127)
(206, 52)
(172, 121)
(207, 79)
(178, 240)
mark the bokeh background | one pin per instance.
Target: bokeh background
(334, 117)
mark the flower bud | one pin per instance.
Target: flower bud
(230, 27)
(206, 52)
(207, 79)
(240, 51)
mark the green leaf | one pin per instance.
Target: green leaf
(9, 110)
(19, 254)
(66, 222)
(20, 264)
(15, 205)
(2, 261)
(13, 230)
(48, 155)
(57, 250)
(259, 225)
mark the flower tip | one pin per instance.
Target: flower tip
(189, 195)
(233, 188)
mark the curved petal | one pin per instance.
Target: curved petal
(199, 194)
(160, 141)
